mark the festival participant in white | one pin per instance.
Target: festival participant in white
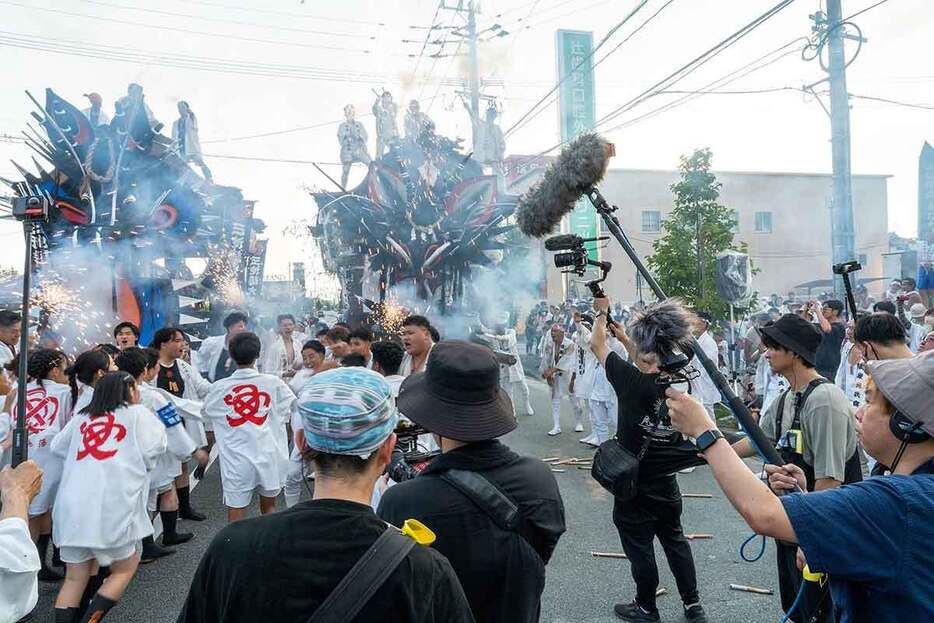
(387, 359)
(48, 408)
(19, 563)
(511, 377)
(249, 411)
(9, 342)
(360, 340)
(180, 379)
(282, 355)
(84, 374)
(556, 368)
(583, 376)
(100, 512)
(706, 390)
(417, 342)
(215, 362)
(143, 365)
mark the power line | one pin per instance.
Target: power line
(175, 29)
(868, 8)
(274, 133)
(421, 52)
(891, 101)
(518, 125)
(222, 20)
(579, 65)
(286, 13)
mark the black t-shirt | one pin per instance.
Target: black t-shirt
(828, 353)
(225, 366)
(281, 567)
(641, 404)
(170, 379)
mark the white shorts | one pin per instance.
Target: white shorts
(152, 503)
(104, 557)
(242, 499)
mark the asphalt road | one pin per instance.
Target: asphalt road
(580, 588)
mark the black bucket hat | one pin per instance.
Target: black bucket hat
(458, 395)
(796, 334)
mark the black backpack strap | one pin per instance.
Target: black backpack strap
(364, 578)
(481, 492)
(799, 403)
(780, 414)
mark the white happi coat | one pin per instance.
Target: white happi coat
(507, 343)
(48, 409)
(102, 497)
(179, 444)
(585, 364)
(209, 353)
(301, 377)
(249, 411)
(196, 388)
(706, 389)
(275, 360)
(564, 362)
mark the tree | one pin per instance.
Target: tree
(698, 228)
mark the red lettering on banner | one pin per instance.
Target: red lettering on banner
(41, 410)
(246, 401)
(96, 432)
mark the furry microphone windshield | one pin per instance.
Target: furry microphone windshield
(580, 165)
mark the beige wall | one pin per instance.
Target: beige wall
(798, 249)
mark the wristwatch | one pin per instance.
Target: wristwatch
(707, 439)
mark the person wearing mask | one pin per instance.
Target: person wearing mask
(338, 342)
(417, 341)
(283, 357)
(48, 400)
(181, 380)
(185, 136)
(100, 518)
(833, 332)
(643, 430)
(284, 566)
(19, 561)
(126, 335)
(813, 426)
(872, 538)
(213, 357)
(95, 113)
(250, 411)
(360, 340)
(387, 359)
(463, 492)
(556, 367)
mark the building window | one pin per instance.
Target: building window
(651, 221)
(764, 222)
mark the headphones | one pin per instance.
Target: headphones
(905, 430)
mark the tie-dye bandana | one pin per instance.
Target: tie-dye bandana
(347, 411)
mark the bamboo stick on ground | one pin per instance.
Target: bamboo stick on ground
(608, 555)
(691, 537)
(696, 495)
(751, 589)
(558, 471)
(661, 592)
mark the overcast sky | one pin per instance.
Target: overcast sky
(300, 63)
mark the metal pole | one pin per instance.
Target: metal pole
(758, 439)
(20, 452)
(842, 209)
(474, 78)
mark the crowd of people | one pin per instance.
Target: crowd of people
(118, 433)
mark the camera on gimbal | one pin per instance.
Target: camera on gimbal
(573, 258)
(408, 457)
(845, 268)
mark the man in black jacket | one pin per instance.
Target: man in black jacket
(497, 515)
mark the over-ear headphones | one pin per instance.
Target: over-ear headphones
(905, 430)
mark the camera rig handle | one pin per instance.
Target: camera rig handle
(758, 439)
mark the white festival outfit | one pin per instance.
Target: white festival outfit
(562, 358)
(249, 411)
(179, 444)
(196, 388)
(511, 377)
(19, 565)
(100, 510)
(275, 358)
(706, 389)
(768, 384)
(585, 365)
(209, 355)
(603, 401)
(48, 409)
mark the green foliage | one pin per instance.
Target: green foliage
(697, 213)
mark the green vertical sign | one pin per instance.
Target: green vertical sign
(576, 110)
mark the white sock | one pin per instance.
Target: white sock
(556, 413)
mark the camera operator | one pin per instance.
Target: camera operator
(874, 537)
(497, 515)
(655, 511)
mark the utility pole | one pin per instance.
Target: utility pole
(832, 27)
(474, 77)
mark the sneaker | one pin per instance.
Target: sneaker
(154, 552)
(590, 441)
(695, 614)
(579, 428)
(554, 431)
(635, 613)
(177, 539)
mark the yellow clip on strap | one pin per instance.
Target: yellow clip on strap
(810, 576)
(418, 532)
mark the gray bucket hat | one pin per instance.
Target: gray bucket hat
(909, 385)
